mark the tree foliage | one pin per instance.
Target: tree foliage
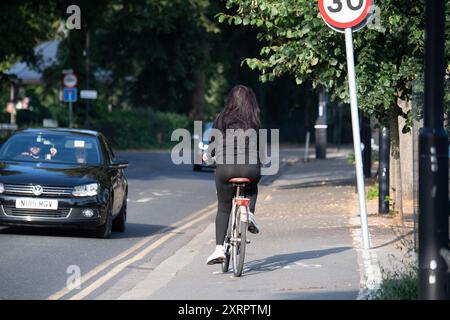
(25, 23)
(297, 41)
(150, 48)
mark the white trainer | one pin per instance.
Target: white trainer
(218, 256)
(252, 225)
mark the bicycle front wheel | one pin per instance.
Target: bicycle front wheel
(240, 234)
(226, 262)
(227, 243)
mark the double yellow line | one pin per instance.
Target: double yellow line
(171, 231)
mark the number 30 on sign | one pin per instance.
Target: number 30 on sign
(343, 14)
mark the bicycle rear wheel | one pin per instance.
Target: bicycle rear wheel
(240, 235)
(227, 245)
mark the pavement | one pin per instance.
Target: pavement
(307, 248)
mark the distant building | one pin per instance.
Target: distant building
(46, 53)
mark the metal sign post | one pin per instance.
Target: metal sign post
(70, 112)
(347, 16)
(357, 137)
(70, 81)
(70, 96)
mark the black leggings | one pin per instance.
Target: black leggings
(226, 192)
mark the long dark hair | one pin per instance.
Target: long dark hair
(241, 111)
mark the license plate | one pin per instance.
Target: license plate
(31, 203)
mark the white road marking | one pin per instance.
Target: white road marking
(144, 200)
(369, 267)
(169, 268)
(158, 194)
(138, 256)
(303, 266)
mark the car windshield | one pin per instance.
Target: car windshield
(42, 147)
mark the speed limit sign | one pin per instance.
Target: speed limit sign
(70, 80)
(343, 14)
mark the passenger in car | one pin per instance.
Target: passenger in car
(81, 155)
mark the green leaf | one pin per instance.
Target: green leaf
(221, 18)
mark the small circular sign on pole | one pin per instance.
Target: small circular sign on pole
(70, 80)
(342, 14)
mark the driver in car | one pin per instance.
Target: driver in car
(34, 151)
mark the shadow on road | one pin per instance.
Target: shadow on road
(317, 294)
(312, 184)
(280, 261)
(148, 166)
(134, 230)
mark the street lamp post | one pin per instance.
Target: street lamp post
(321, 127)
(366, 134)
(383, 174)
(433, 163)
(88, 65)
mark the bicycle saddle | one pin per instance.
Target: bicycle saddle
(239, 180)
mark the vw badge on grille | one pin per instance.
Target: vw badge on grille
(38, 190)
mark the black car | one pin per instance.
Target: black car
(202, 143)
(62, 178)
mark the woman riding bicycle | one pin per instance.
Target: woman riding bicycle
(241, 113)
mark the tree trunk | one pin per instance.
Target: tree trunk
(396, 185)
(198, 96)
(406, 150)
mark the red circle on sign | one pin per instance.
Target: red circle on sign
(70, 85)
(341, 25)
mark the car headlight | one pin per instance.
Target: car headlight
(87, 190)
(202, 146)
(2, 188)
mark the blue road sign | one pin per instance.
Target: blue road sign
(70, 94)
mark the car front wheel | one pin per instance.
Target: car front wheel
(104, 231)
(119, 223)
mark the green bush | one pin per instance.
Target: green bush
(399, 286)
(5, 117)
(372, 192)
(400, 282)
(140, 129)
(375, 156)
(351, 158)
(28, 118)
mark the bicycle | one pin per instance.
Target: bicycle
(236, 237)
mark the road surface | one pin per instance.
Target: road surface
(35, 263)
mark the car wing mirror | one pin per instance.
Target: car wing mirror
(119, 164)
